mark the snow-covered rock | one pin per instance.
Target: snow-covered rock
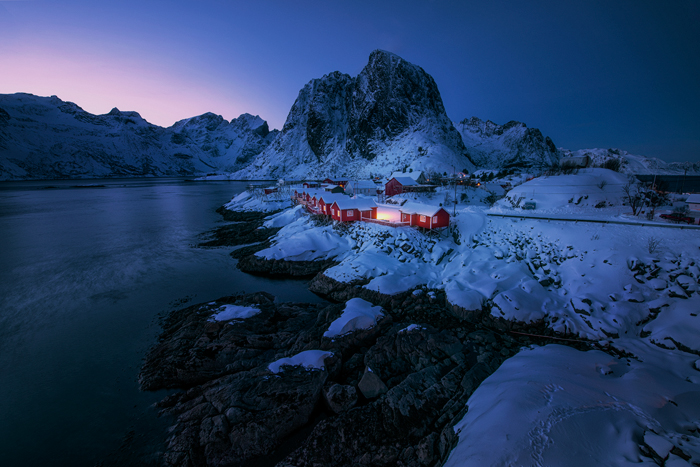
(512, 145)
(389, 117)
(309, 359)
(358, 314)
(45, 138)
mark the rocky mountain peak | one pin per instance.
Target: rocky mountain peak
(512, 145)
(389, 117)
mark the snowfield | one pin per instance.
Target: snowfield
(632, 288)
(555, 405)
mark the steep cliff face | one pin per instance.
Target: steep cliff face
(388, 117)
(45, 138)
(512, 145)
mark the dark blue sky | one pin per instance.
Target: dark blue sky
(620, 74)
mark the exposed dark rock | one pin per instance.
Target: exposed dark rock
(274, 267)
(239, 417)
(194, 349)
(371, 385)
(240, 233)
(340, 397)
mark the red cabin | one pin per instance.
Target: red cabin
(423, 215)
(399, 185)
(352, 209)
(326, 200)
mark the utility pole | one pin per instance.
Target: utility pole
(454, 182)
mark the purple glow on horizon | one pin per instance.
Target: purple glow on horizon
(619, 74)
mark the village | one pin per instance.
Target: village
(371, 201)
(429, 204)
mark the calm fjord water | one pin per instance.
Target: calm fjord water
(85, 272)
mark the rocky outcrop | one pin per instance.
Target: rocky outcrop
(234, 411)
(389, 117)
(512, 145)
(278, 267)
(45, 137)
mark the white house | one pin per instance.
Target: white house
(693, 202)
(361, 187)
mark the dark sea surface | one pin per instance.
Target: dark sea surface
(87, 268)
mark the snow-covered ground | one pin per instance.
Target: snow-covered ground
(555, 405)
(247, 201)
(629, 287)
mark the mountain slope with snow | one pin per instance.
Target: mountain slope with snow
(46, 138)
(634, 164)
(389, 117)
(512, 145)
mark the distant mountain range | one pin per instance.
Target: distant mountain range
(389, 117)
(633, 164)
(47, 138)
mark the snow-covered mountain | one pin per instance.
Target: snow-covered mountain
(45, 137)
(512, 145)
(633, 164)
(389, 117)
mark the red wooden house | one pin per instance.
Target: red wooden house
(353, 209)
(398, 185)
(326, 200)
(424, 215)
(311, 184)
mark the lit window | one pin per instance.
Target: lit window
(422, 218)
(434, 218)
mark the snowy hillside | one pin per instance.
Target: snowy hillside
(389, 117)
(635, 400)
(515, 145)
(45, 137)
(633, 164)
(569, 193)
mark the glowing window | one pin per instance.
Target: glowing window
(422, 218)
(434, 218)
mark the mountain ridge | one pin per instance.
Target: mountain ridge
(48, 138)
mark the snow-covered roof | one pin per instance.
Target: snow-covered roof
(329, 197)
(362, 184)
(363, 204)
(313, 192)
(405, 181)
(695, 198)
(420, 208)
(415, 175)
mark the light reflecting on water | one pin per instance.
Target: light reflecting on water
(84, 275)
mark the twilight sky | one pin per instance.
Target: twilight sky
(620, 74)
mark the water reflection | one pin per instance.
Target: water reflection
(84, 275)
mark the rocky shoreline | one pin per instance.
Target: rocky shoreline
(388, 395)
